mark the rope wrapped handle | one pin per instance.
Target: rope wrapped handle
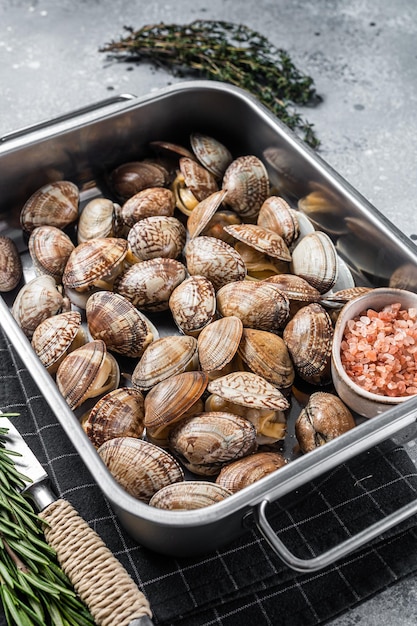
(101, 581)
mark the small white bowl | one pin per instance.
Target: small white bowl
(357, 399)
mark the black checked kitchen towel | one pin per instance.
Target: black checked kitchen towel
(243, 583)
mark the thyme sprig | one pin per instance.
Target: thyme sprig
(33, 588)
(227, 52)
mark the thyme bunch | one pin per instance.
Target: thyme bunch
(227, 52)
(34, 590)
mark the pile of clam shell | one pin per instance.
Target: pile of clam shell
(251, 291)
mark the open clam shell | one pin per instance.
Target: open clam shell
(203, 212)
(264, 240)
(139, 466)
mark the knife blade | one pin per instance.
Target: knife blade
(100, 580)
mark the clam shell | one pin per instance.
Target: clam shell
(167, 401)
(207, 441)
(276, 214)
(55, 336)
(140, 467)
(259, 305)
(86, 373)
(197, 178)
(267, 355)
(128, 179)
(93, 261)
(324, 418)
(214, 259)
(36, 301)
(146, 203)
(54, 204)
(249, 390)
(314, 258)
(220, 219)
(99, 218)
(211, 153)
(295, 287)
(157, 236)
(247, 184)
(11, 270)
(248, 470)
(218, 343)
(119, 413)
(264, 240)
(149, 285)
(163, 358)
(308, 337)
(50, 248)
(203, 212)
(116, 321)
(193, 304)
(189, 495)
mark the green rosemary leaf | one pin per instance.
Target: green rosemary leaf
(10, 606)
(227, 52)
(26, 552)
(5, 576)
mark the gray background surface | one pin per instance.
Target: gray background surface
(362, 55)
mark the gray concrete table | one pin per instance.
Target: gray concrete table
(361, 54)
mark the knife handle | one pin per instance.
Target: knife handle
(100, 580)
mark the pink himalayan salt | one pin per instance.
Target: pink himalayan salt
(379, 350)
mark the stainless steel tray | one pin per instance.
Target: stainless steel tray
(84, 146)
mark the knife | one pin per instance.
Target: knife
(100, 580)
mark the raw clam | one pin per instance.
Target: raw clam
(189, 495)
(215, 227)
(258, 304)
(324, 418)
(266, 354)
(139, 466)
(275, 214)
(298, 291)
(11, 270)
(146, 203)
(56, 336)
(86, 373)
(206, 442)
(218, 343)
(99, 218)
(37, 300)
(214, 259)
(192, 185)
(211, 153)
(157, 236)
(54, 204)
(163, 358)
(93, 265)
(193, 304)
(50, 248)
(130, 178)
(248, 470)
(247, 184)
(149, 284)
(264, 240)
(308, 337)
(119, 413)
(252, 397)
(167, 401)
(115, 320)
(259, 265)
(315, 259)
(203, 212)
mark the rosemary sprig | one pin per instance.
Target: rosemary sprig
(227, 52)
(34, 590)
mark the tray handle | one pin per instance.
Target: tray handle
(89, 108)
(337, 552)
